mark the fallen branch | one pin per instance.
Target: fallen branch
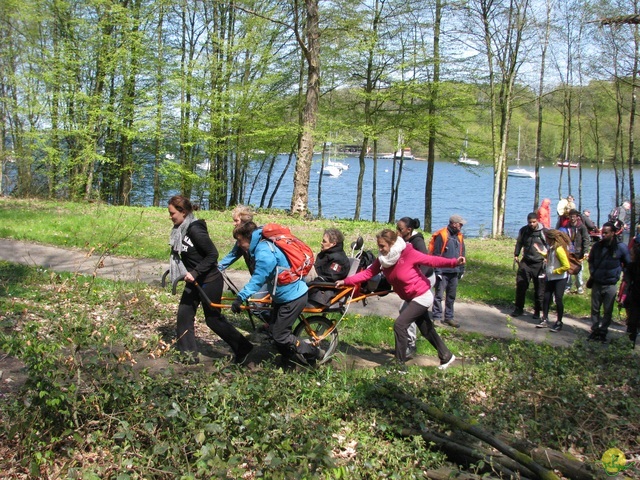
(497, 463)
(437, 414)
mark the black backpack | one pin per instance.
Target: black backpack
(366, 258)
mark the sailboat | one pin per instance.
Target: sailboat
(463, 154)
(519, 171)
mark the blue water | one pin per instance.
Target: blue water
(458, 189)
(461, 189)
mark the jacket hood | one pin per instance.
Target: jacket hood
(256, 236)
(539, 227)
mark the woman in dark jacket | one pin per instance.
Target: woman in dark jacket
(332, 263)
(195, 257)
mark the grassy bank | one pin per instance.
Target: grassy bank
(143, 232)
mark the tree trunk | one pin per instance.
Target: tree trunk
(433, 101)
(539, 107)
(300, 195)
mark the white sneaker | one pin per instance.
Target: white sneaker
(444, 366)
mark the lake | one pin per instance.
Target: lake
(466, 190)
(462, 189)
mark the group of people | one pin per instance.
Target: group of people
(424, 276)
(542, 255)
(403, 258)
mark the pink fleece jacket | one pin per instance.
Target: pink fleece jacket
(405, 276)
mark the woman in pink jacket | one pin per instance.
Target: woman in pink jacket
(400, 263)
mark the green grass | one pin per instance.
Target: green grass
(143, 232)
(86, 411)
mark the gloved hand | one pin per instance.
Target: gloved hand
(235, 306)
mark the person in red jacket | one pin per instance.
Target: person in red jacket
(400, 263)
(544, 213)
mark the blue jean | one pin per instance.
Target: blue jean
(447, 284)
(579, 281)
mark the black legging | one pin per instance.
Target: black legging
(215, 321)
(556, 288)
(415, 312)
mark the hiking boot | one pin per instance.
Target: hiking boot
(544, 323)
(451, 322)
(517, 312)
(556, 327)
(597, 336)
(314, 358)
(536, 315)
(242, 355)
(447, 364)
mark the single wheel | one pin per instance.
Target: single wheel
(319, 331)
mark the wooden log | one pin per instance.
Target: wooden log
(501, 464)
(437, 414)
(570, 467)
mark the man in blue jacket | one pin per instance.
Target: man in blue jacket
(288, 301)
(607, 259)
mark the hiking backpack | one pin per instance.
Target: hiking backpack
(298, 253)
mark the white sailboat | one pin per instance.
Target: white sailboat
(332, 171)
(519, 171)
(340, 165)
(463, 154)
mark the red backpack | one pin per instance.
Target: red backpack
(298, 253)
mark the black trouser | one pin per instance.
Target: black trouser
(554, 288)
(414, 312)
(284, 316)
(215, 320)
(528, 273)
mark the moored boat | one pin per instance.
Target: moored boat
(567, 164)
(521, 172)
(332, 171)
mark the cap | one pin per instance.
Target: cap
(457, 219)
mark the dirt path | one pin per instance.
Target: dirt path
(486, 320)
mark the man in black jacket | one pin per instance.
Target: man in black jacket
(579, 236)
(531, 266)
(606, 261)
